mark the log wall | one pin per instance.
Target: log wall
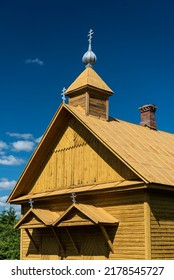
(128, 238)
(162, 225)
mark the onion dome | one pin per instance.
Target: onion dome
(89, 58)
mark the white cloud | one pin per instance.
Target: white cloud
(3, 145)
(37, 140)
(26, 146)
(5, 184)
(25, 136)
(10, 160)
(36, 61)
(3, 200)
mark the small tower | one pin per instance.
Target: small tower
(89, 91)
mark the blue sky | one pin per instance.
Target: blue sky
(42, 43)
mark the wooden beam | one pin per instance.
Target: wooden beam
(58, 240)
(87, 104)
(107, 109)
(32, 240)
(147, 224)
(74, 245)
(107, 237)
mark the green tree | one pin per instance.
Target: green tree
(9, 237)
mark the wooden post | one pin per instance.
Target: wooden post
(107, 109)
(147, 227)
(107, 237)
(87, 104)
(32, 240)
(58, 240)
(74, 245)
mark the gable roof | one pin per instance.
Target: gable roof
(94, 214)
(46, 217)
(148, 153)
(89, 78)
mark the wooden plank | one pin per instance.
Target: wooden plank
(87, 103)
(21, 243)
(107, 237)
(162, 226)
(32, 240)
(107, 109)
(75, 223)
(73, 243)
(58, 240)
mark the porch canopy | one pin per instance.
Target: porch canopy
(76, 215)
(37, 218)
(82, 214)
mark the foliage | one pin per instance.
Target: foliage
(9, 237)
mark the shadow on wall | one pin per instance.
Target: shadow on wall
(79, 242)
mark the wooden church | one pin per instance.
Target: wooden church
(97, 187)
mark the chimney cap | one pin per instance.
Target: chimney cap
(148, 107)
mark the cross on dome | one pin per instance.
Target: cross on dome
(90, 33)
(89, 57)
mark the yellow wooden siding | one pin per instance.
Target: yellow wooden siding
(97, 106)
(28, 250)
(162, 226)
(50, 249)
(128, 238)
(30, 222)
(149, 153)
(78, 159)
(78, 100)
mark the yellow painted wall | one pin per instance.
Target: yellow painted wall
(78, 159)
(162, 225)
(128, 238)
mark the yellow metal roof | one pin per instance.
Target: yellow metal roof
(96, 214)
(125, 184)
(149, 153)
(88, 78)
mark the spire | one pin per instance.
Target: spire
(89, 57)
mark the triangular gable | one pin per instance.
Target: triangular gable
(37, 218)
(82, 214)
(147, 153)
(31, 181)
(77, 159)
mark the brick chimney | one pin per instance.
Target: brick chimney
(148, 115)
